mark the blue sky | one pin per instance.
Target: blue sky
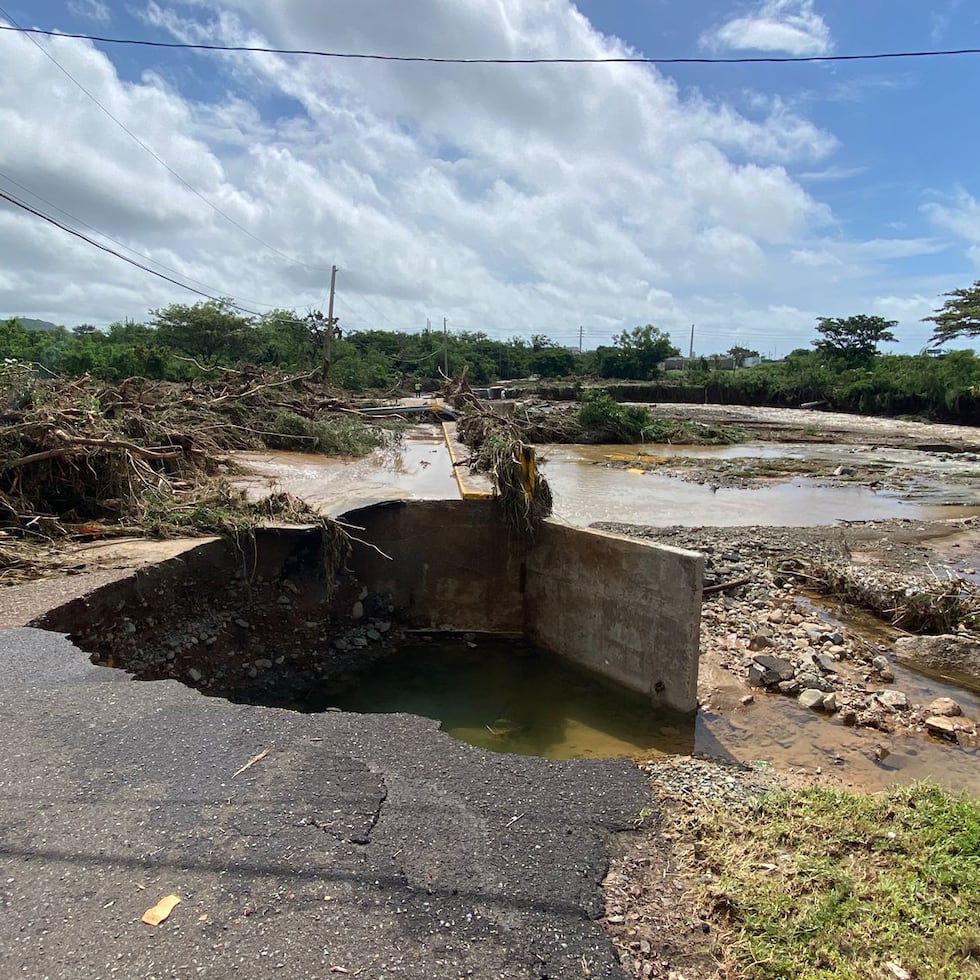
(747, 199)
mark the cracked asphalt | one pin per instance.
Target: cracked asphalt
(361, 845)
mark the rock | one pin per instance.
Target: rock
(881, 752)
(373, 635)
(944, 708)
(760, 642)
(263, 664)
(825, 663)
(879, 662)
(812, 699)
(830, 703)
(760, 676)
(849, 717)
(808, 679)
(844, 471)
(886, 675)
(943, 727)
(357, 610)
(384, 627)
(747, 699)
(194, 674)
(943, 654)
(359, 642)
(783, 668)
(892, 700)
(777, 616)
(341, 644)
(789, 688)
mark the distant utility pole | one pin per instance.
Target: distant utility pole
(331, 326)
(581, 331)
(445, 346)
(691, 351)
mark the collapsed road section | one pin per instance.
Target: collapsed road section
(299, 845)
(293, 607)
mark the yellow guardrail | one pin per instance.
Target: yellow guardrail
(464, 492)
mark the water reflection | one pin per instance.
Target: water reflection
(509, 697)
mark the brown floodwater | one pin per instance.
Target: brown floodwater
(772, 730)
(585, 492)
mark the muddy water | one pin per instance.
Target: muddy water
(771, 730)
(775, 730)
(509, 697)
(418, 467)
(585, 492)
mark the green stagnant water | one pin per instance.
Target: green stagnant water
(511, 697)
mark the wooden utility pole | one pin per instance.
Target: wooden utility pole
(581, 331)
(445, 346)
(691, 351)
(331, 324)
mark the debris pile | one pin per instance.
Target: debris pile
(81, 459)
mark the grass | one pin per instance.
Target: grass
(825, 884)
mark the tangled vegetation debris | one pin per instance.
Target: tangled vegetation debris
(914, 603)
(81, 459)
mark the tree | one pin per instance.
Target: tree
(853, 340)
(959, 315)
(740, 354)
(210, 330)
(637, 355)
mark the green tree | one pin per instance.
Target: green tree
(959, 316)
(210, 330)
(853, 340)
(636, 355)
(740, 354)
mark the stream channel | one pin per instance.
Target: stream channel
(446, 682)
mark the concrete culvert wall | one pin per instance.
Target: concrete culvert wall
(267, 622)
(628, 610)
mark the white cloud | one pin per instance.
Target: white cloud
(789, 26)
(510, 199)
(91, 10)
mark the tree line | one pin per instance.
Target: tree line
(843, 367)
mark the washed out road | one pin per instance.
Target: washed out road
(361, 845)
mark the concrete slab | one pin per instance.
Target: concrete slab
(367, 845)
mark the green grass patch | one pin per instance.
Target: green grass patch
(825, 884)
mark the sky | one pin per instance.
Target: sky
(746, 200)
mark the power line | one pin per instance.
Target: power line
(111, 251)
(422, 59)
(31, 31)
(115, 241)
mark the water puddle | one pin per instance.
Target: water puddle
(775, 730)
(511, 697)
(585, 492)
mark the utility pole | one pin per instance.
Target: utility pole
(581, 331)
(691, 352)
(331, 324)
(445, 346)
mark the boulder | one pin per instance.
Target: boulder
(945, 654)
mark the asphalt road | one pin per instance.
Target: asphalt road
(361, 845)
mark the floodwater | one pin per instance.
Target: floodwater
(515, 700)
(416, 468)
(511, 697)
(585, 492)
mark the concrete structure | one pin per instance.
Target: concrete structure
(626, 609)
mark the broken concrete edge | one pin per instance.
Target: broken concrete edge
(435, 839)
(624, 609)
